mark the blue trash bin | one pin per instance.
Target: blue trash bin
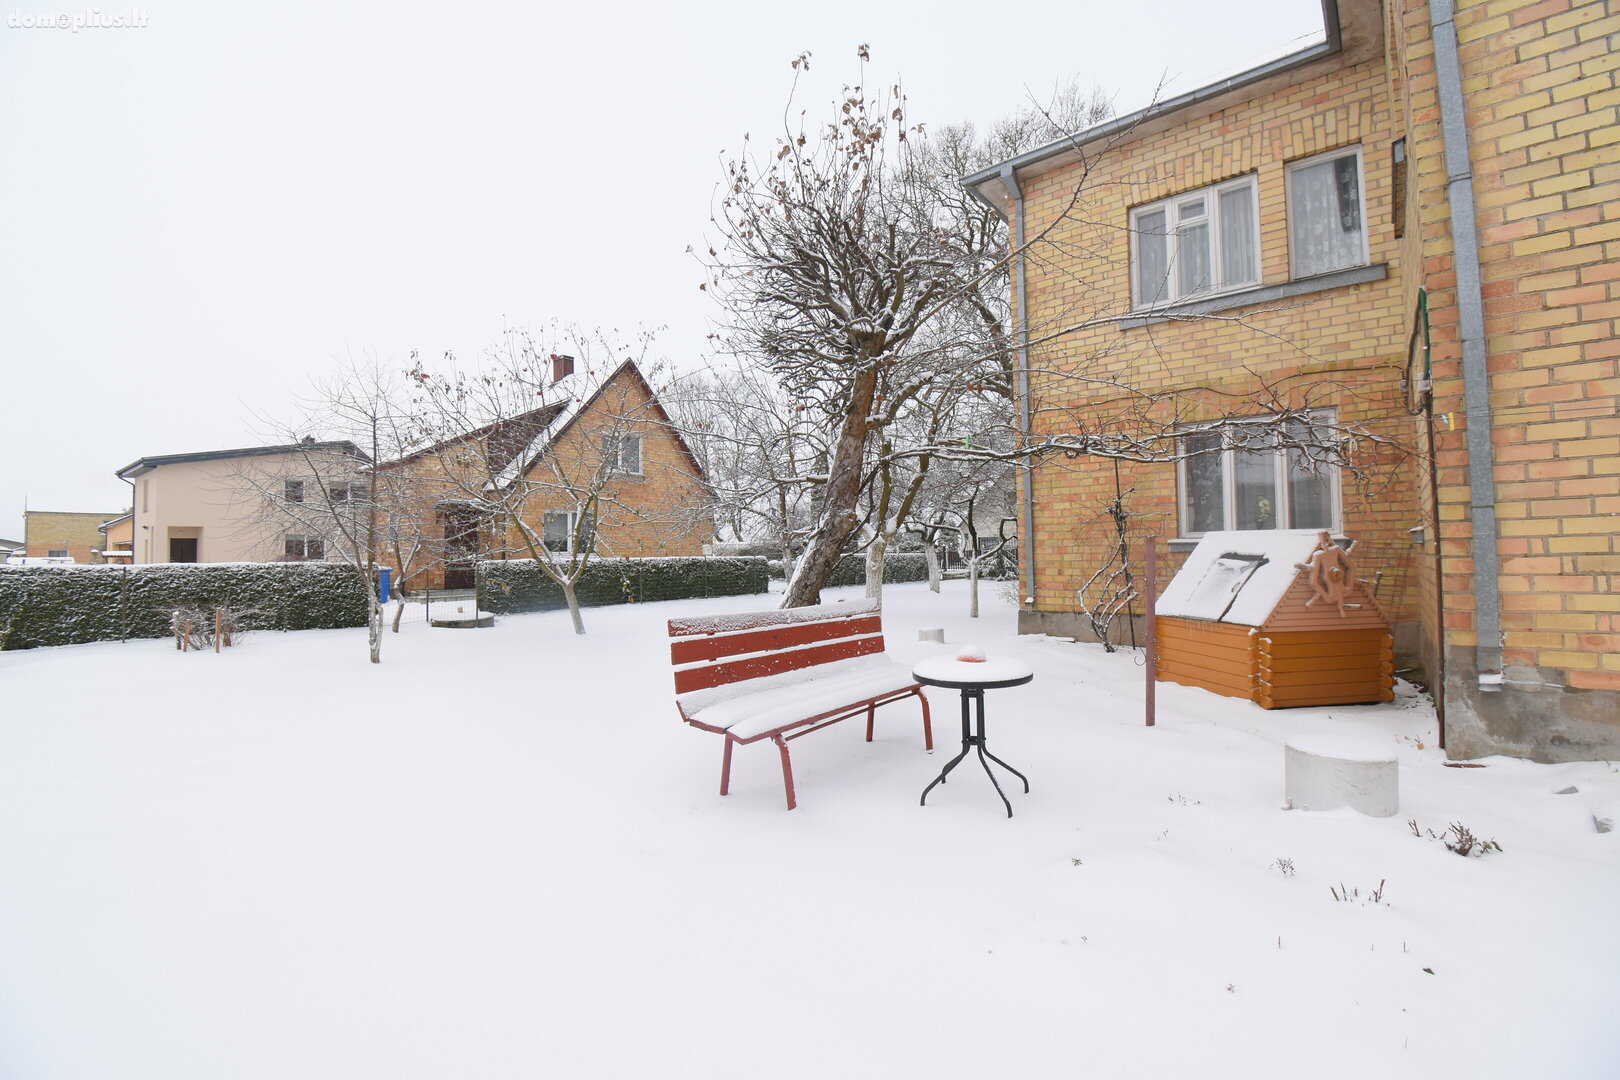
(384, 579)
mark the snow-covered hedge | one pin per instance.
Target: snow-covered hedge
(71, 605)
(898, 566)
(520, 585)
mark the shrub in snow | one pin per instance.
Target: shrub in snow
(1458, 838)
(515, 585)
(73, 605)
(897, 567)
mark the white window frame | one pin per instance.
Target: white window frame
(1229, 494)
(304, 543)
(1361, 196)
(343, 494)
(573, 530)
(1171, 207)
(616, 450)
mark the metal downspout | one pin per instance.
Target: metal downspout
(1021, 357)
(1471, 327)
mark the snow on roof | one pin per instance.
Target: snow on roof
(1239, 576)
(542, 440)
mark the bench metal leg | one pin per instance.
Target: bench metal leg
(787, 770)
(871, 711)
(725, 767)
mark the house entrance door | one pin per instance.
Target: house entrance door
(461, 544)
(182, 549)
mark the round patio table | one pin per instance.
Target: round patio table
(973, 678)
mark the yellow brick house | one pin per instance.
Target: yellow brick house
(651, 498)
(1409, 231)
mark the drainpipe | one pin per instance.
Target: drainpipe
(1471, 326)
(1021, 358)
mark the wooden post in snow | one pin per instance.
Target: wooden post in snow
(1149, 628)
(219, 626)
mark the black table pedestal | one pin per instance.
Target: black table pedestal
(973, 739)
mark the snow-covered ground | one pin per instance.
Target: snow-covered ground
(500, 854)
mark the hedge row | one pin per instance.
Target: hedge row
(72, 605)
(520, 585)
(898, 566)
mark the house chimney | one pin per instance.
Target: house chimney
(561, 367)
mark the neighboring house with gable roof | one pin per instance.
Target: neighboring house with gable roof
(1411, 228)
(597, 465)
(210, 507)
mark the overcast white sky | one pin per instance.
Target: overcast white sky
(198, 214)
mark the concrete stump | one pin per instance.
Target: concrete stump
(1323, 772)
(931, 635)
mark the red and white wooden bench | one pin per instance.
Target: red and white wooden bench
(780, 675)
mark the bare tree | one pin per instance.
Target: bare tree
(321, 498)
(757, 451)
(853, 267)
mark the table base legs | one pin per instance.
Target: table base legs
(973, 740)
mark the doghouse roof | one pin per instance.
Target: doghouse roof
(1239, 576)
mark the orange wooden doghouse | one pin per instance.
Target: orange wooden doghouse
(1275, 616)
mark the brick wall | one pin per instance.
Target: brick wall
(1341, 348)
(1541, 104)
(79, 534)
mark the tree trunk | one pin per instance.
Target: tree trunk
(573, 605)
(374, 629)
(838, 518)
(875, 555)
(399, 613)
(931, 560)
(973, 587)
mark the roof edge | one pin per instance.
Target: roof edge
(1334, 45)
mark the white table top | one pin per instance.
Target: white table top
(990, 672)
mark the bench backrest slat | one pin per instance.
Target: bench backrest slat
(707, 675)
(691, 650)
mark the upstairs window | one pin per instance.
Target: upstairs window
(338, 494)
(622, 453)
(1326, 218)
(292, 491)
(1196, 244)
(1243, 477)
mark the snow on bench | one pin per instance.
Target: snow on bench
(779, 675)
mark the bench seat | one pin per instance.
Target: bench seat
(775, 702)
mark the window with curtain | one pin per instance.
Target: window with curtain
(1326, 219)
(1195, 244)
(1247, 477)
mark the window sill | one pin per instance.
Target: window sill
(1265, 294)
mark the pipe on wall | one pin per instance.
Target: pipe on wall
(1471, 329)
(1021, 360)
